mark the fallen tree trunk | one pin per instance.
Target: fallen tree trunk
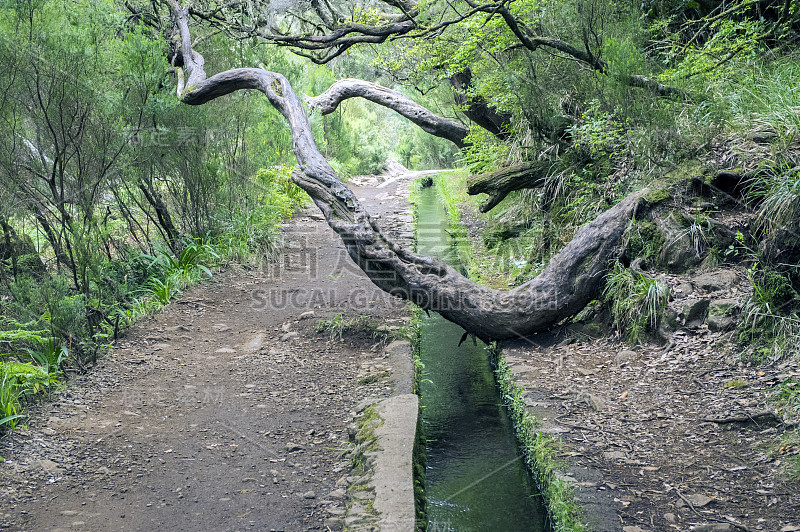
(570, 281)
(500, 183)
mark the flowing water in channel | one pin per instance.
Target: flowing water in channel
(475, 479)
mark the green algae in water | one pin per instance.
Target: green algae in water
(476, 477)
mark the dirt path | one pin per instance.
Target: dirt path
(226, 411)
(641, 436)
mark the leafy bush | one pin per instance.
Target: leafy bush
(9, 403)
(770, 324)
(50, 304)
(637, 301)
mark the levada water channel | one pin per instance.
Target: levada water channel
(475, 476)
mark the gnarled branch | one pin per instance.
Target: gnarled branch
(328, 101)
(569, 282)
(500, 183)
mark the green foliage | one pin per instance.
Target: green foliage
(51, 358)
(19, 379)
(760, 96)
(780, 206)
(637, 302)
(730, 38)
(484, 151)
(645, 241)
(164, 290)
(786, 395)
(9, 403)
(598, 134)
(769, 325)
(277, 191)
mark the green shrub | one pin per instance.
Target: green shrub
(637, 301)
(9, 403)
(770, 324)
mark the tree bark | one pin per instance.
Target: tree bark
(328, 101)
(500, 183)
(476, 108)
(8, 232)
(570, 281)
(164, 217)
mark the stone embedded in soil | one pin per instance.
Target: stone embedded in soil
(225, 350)
(333, 523)
(309, 495)
(719, 323)
(337, 494)
(595, 401)
(698, 500)
(289, 335)
(715, 281)
(293, 447)
(690, 312)
(626, 356)
(307, 315)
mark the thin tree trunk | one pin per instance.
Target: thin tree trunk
(164, 217)
(7, 234)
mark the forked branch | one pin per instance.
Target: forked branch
(569, 282)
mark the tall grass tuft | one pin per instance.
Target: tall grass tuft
(637, 301)
(781, 202)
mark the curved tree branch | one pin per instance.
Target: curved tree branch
(328, 101)
(569, 282)
(500, 183)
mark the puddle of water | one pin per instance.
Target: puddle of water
(475, 478)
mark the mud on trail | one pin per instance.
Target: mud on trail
(225, 411)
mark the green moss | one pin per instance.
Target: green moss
(684, 172)
(736, 384)
(775, 289)
(367, 422)
(645, 240)
(721, 308)
(657, 195)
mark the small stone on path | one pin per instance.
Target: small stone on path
(698, 500)
(288, 336)
(625, 357)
